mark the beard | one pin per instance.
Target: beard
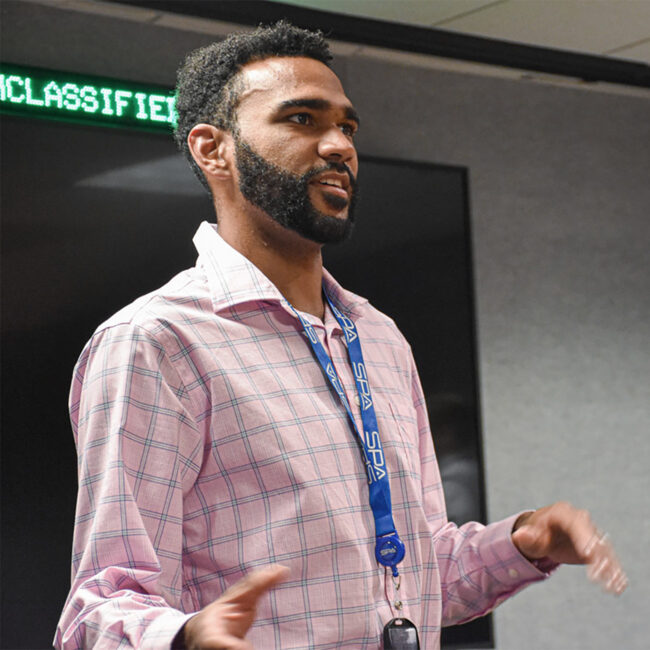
(284, 196)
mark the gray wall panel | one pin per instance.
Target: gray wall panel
(560, 197)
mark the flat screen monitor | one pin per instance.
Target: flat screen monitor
(92, 218)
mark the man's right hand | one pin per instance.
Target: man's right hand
(223, 624)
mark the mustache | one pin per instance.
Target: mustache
(339, 167)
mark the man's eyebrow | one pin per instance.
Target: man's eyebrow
(319, 105)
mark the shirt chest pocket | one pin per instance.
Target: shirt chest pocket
(399, 434)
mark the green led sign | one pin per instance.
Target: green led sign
(35, 92)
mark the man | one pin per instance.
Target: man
(225, 458)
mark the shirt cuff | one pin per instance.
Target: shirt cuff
(506, 562)
(162, 630)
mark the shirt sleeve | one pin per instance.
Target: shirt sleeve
(139, 451)
(479, 565)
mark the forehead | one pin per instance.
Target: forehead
(277, 79)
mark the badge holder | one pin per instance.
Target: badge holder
(401, 634)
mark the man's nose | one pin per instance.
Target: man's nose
(335, 145)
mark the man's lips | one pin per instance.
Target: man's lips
(333, 183)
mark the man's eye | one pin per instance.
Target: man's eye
(301, 118)
(349, 129)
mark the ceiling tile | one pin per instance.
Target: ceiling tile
(417, 12)
(638, 52)
(594, 26)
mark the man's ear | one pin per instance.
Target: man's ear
(210, 148)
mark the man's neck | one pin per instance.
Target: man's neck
(293, 264)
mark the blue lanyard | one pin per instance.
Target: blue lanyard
(389, 548)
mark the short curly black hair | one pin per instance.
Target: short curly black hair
(207, 90)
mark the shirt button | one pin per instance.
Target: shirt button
(357, 401)
(513, 573)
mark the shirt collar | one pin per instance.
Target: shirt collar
(233, 279)
(344, 300)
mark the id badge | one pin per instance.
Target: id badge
(401, 634)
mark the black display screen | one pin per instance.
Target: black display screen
(92, 218)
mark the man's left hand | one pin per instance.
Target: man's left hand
(566, 535)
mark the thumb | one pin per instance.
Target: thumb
(248, 590)
(529, 542)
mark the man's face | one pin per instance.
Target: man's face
(285, 197)
(294, 147)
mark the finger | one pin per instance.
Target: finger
(603, 550)
(611, 584)
(583, 534)
(590, 544)
(616, 580)
(594, 540)
(621, 585)
(605, 568)
(598, 569)
(248, 590)
(616, 584)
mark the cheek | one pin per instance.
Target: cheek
(274, 147)
(288, 157)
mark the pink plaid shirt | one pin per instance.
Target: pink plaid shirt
(211, 443)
